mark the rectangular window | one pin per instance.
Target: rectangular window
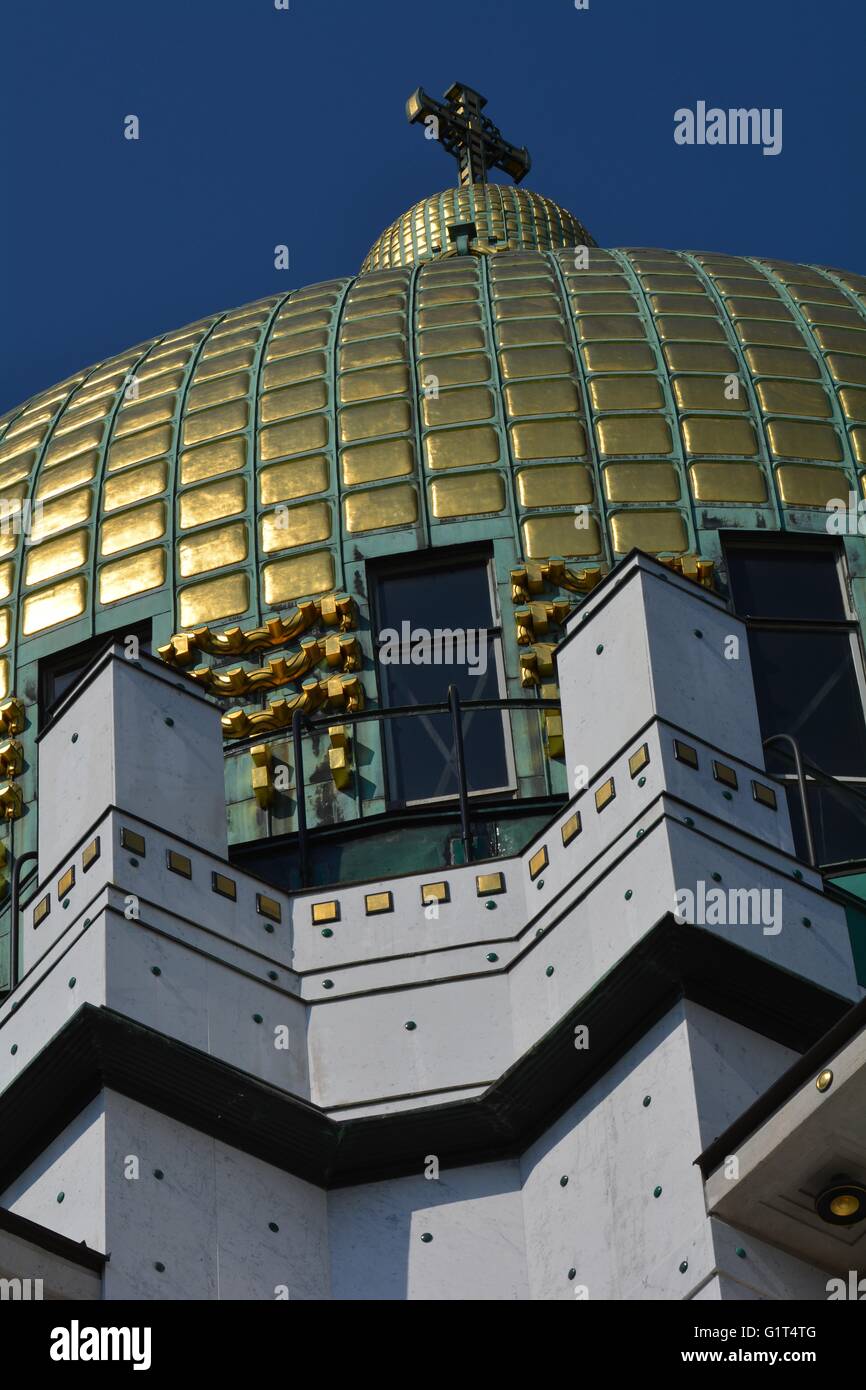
(58, 673)
(807, 663)
(437, 626)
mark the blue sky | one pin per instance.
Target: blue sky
(261, 126)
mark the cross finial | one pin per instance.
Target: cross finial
(473, 139)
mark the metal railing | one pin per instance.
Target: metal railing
(454, 707)
(809, 776)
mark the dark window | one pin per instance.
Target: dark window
(805, 649)
(436, 626)
(58, 673)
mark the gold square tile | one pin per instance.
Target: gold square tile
(626, 393)
(605, 794)
(639, 760)
(461, 447)
(728, 482)
(538, 862)
(488, 884)
(324, 912)
(467, 494)
(571, 828)
(380, 507)
(434, 893)
(377, 903)
(641, 482)
(560, 535)
(634, 434)
(657, 532)
(544, 439)
(707, 434)
(554, 485)
(797, 439)
(805, 486)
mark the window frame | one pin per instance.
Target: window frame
(432, 561)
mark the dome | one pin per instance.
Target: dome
(513, 387)
(505, 218)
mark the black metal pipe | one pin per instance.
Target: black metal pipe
(462, 789)
(804, 799)
(20, 861)
(300, 796)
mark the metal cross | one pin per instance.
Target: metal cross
(471, 137)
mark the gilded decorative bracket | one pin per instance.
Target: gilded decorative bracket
(262, 774)
(535, 620)
(345, 692)
(335, 610)
(339, 651)
(340, 756)
(11, 801)
(536, 665)
(11, 717)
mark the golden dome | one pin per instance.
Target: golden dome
(506, 219)
(259, 456)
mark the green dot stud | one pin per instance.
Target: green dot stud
(647, 1100)
(798, 874)
(426, 1237)
(687, 820)
(272, 975)
(627, 895)
(492, 956)
(169, 721)
(158, 1174)
(491, 906)
(807, 921)
(155, 970)
(729, 796)
(540, 883)
(410, 1025)
(326, 931)
(159, 1266)
(272, 1226)
(72, 982)
(717, 878)
(60, 1196)
(599, 649)
(641, 781)
(327, 984)
(74, 738)
(549, 971)
(563, 1181)
(740, 1252)
(684, 1264)
(572, 1273)
(13, 1049)
(698, 632)
(257, 1018)
(657, 1192)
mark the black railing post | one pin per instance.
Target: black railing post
(801, 783)
(14, 929)
(300, 796)
(462, 790)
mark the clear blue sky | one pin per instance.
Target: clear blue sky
(261, 126)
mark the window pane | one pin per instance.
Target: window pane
(784, 583)
(838, 822)
(429, 598)
(806, 686)
(421, 747)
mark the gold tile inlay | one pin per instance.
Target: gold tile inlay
(57, 604)
(706, 434)
(489, 884)
(605, 794)
(656, 532)
(381, 507)
(133, 575)
(728, 482)
(225, 597)
(639, 760)
(293, 526)
(210, 550)
(554, 485)
(324, 912)
(571, 828)
(538, 862)
(212, 502)
(55, 557)
(133, 527)
(376, 903)
(209, 460)
(434, 893)
(467, 494)
(634, 434)
(298, 577)
(369, 463)
(456, 448)
(641, 482)
(558, 535)
(804, 486)
(543, 439)
(285, 481)
(301, 436)
(797, 439)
